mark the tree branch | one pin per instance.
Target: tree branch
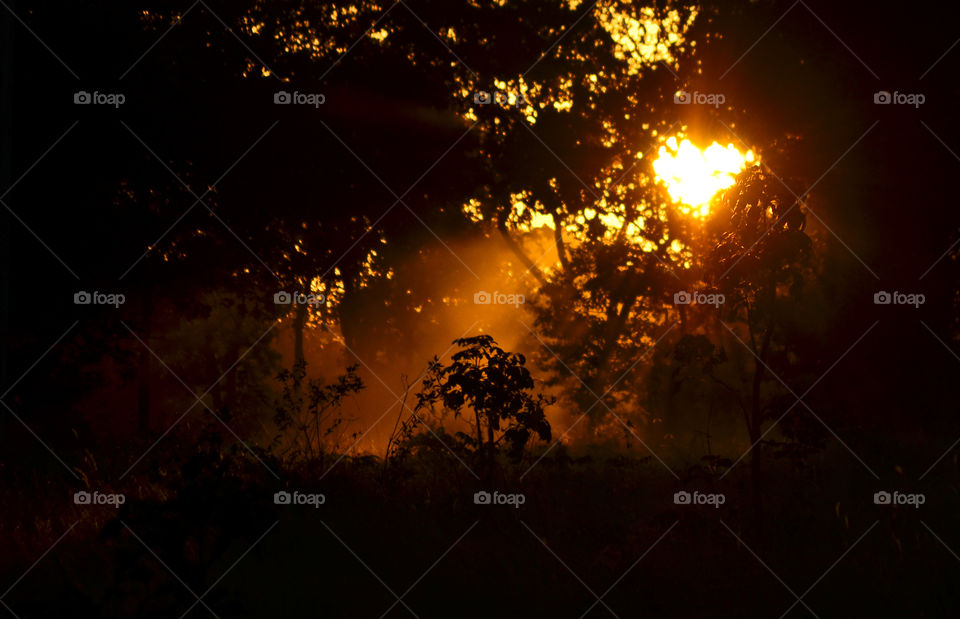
(516, 249)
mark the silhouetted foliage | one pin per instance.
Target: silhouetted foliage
(496, 386)
(308, 420)
(169, 398)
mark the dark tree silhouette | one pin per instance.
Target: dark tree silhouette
(497, 387)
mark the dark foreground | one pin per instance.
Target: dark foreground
(593, 537)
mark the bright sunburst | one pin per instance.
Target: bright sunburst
(694, 176)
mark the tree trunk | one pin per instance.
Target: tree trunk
(301, 313)
(491, 448)
(6, 159)
(616, 321)
(143, 378)
(518, 251)
(479, 431)
(756, 423)
(756, 470)
(558, 240)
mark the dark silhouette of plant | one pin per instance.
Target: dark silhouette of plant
(309, 416)
(497, 386)
(763, 253)
(761, 260)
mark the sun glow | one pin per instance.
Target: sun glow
(694, 176)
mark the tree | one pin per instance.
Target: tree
(760, 262)
(497, 386)
(577, 150)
